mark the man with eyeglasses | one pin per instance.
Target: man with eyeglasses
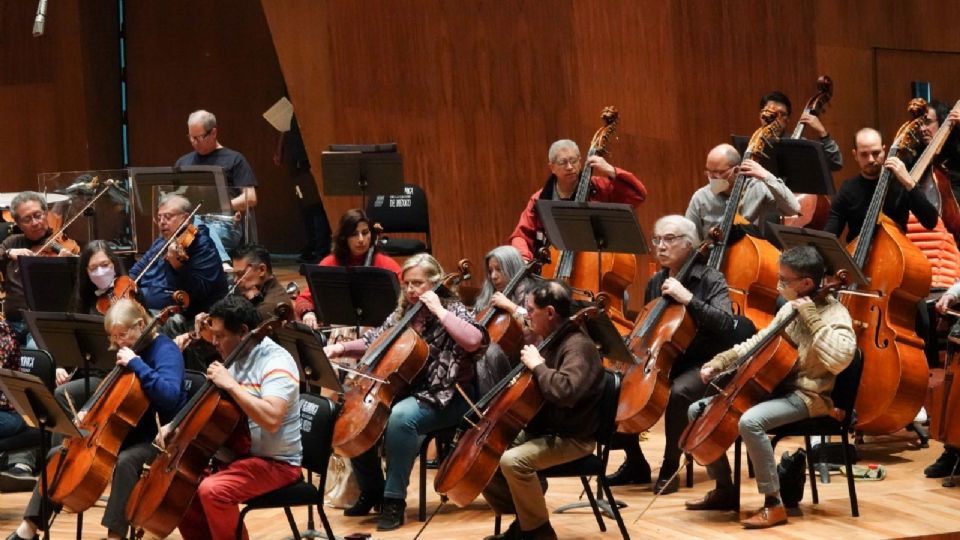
(196, 269)
(226, 230)
(608, 184)
(764, 194)
(29, 210)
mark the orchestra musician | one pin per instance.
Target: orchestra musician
(351, 244)
(200, 274)
(608, 184)
(254, 279)
(831, 150)
(705, 296)
(939, 113)
(99, 269)
(764, 195)
(949, 459)
(825, 343)
(29, 210)
(265, 385)
(159, 369)
(455, 341)
(502, 263)
(569, 374)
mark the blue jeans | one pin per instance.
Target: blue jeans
(410, 422)
(11, 423)
(226, 233)
(22, 330)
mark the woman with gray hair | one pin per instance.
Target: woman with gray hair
(704, 294)
(502, 264)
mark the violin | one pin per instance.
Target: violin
(184, 240)
(183, 237)
(59, 241)
(483, 437)
(82, 468)
(123, 288)
(389, 367)
(610, 272)
(206, 423)
(814, 209)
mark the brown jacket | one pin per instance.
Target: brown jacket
(571, 382)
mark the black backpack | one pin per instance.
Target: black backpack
(792, 471)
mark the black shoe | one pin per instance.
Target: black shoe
(15, 536)
(945, 465)
(663, 487)
(363, 505)
(543, 532)
(17, 478)
(630, 473)
(513, 532)
(391, 514)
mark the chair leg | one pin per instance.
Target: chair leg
(239, 532)
(851, 486)
(323, 520)
(80, 526)
(593, 503)
(616, 511)
(292, 522)
(689, 471)
(496, 524)
(812, 469)
(736, 470)
(422, 511)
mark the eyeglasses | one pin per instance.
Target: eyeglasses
(569, 162)
(170, 216)
(199, 138)
(667, 239)
(36, 216)
(786, 281)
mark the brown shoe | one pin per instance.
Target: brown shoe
(766, 517)
(715, 499)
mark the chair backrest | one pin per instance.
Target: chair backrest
(845, 388)
(401, 213)
(192, 381)
(607, 424)
(39, 363)
(317, 415)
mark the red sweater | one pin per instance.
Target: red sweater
(623, 188)
(304, 301)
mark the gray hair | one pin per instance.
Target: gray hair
(511, 264)
(27, 196)
(180, 202)
(686, 227)
(560, 145)
(203, 118)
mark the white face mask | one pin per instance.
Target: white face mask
(102, 277)
(718, 185)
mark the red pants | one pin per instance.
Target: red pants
(214, 512)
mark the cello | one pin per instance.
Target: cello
(814, 209)
(934, 181)
(502, 327)
(388, 368)
(610, 272)
(663, 331)
(206, 423)
(895, 373)
(507, 408)
(82, 468)
(753, 277)
(944, 399)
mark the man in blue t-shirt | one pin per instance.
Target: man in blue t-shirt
(226, 230)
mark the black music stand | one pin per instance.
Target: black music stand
(800, 163)
(39, 409)
(49, 282)
(352, 295)
(353, 169)
(73, 340)
(834, 254)
(592, 226)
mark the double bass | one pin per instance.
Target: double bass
(814, 209)
(389, 367)
(895, 373)
(663, 331)
(611, 272)
(484, 436)
(933, 180)
(943, 404)
(207, 422)
(83, 467)
(749, 264)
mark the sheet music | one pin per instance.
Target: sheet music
(280, 114)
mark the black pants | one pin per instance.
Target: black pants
(317, 229)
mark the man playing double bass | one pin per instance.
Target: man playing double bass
(826, 344)
(608, 184)
(570, 376)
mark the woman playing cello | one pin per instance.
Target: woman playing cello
(826, 344)
(455, 342)
(159, 368)
(704, 294)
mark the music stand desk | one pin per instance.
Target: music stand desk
(306, 347)
(352, 295)
(834, 254)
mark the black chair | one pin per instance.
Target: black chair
(406, 213)
(193, 380)
(844, 397)
(594, 464)
(40, 364)
(316, 436)
(443, 439)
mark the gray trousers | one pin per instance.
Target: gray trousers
(753, 428)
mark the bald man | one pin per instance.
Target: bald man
(850, 204)
(765, 194)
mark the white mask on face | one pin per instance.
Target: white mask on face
(718, 185)
(102, 277)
